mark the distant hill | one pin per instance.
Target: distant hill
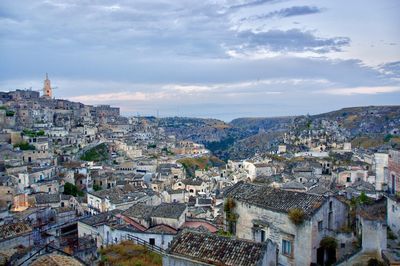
(367, 127)
(263, 123)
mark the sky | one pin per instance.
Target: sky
(219, 59)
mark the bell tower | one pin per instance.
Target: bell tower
(47, 91)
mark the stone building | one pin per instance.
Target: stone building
(393, 198)
(380, 167)
(263, 213)
(394, 171)
(120, 198)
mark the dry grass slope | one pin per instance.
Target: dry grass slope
(129, 254)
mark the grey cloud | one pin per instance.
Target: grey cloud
(391, 69)
(288, 12)
(292, 40)
(251, 3)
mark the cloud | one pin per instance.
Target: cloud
(166, 53)
(253, 3)
(360, 90)
(287, 12)
(391, 69)
(120, 96)
(280, 41)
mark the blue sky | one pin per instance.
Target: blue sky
(221, 59)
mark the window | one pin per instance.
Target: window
(320, 226)
(348, 179)
(286, 247)
(330, 205)
(342, 245)
(262, 235)
(393, 208)
(152, 241)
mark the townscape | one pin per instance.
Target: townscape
(80, 183)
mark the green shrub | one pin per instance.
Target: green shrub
(24, 146)
(96, 154)
(71, 189)
(10, 113)
(297, 216)
(328, 243)
(96, 187)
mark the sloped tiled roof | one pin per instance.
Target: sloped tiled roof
(45, 198)
(162, 228)
(217, 250)
(55, 260)
(13, 230)
(318, 189)
(164, 210)
(169, 210)
(293, 185)
(275, 199)
(140, 211)
(100, 218)
(127, 193)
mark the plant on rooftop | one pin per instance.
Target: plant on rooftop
(297, 216)
(33, 133)
(24, 146)
(364, 199)
(224, 233)
(230, 216)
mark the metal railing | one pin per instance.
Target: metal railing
(142, 242)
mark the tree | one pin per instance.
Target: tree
(71, 189)
(96, 187)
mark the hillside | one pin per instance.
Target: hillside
(366, 127)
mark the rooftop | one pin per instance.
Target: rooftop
(217, 250)
(164, 210)
(101, 218)
(169, 210)
(275, 199)
(55, 260)
(127, 193)
(44, 198)
(13, 230)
